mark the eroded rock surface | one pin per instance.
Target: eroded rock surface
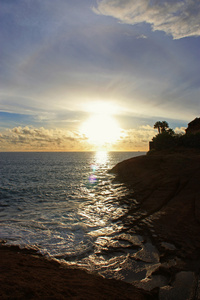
(167, 192)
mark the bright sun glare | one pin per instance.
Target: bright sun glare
(101, 129)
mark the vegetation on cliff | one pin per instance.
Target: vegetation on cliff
(168, 139)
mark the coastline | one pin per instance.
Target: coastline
(166, 214)
(166, 187)
(27, 275)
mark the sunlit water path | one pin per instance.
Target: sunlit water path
(66, 204)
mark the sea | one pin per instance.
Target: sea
(68, 206)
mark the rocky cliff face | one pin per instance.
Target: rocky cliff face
(193, 126)
(166, 187)
(26, 275)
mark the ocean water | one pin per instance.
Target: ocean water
(66, 205)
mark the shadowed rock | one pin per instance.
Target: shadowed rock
(168, 191)
(25, 275)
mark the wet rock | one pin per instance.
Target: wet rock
(136, 240)
(148, 284)
(168, 266)
(148, 253)
(124, 269)
(152, 268)
(166, 186)
(183, 287)
(152, 280)
(28, 276)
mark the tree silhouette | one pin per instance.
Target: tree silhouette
(161, 126)
(158, 125)
(170, 131)
(164, 126)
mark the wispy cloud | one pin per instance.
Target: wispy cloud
(177, 18)
(142, 36)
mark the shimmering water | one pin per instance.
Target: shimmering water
(66, 204)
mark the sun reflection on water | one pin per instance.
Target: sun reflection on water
(102, 194)
(101, 157)
(100, 160)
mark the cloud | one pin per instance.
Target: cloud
(142, 36)
(179, 18)
(29, 138)
(136, 139)
(180, 130)
(33, 139)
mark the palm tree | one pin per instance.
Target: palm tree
(158, 125)
(164, 126)
(161, 126)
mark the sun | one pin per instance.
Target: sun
(101, 129)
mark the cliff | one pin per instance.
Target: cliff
(167, 189)
(164, 208)
(193, 126)
(27, 275)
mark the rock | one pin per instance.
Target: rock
(168, 246)
(183, 287)
(174, 262)
(148, 253)
(27, 276)
(148, 284)
(193, 126)
(136, 240)
(198, 290)
(166, 187)
(197, 208)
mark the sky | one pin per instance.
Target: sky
(87, 75)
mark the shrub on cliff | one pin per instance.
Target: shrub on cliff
(161, 126)
(168, 140)
(164, 140)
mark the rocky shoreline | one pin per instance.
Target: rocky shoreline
(167, 212)
(164, 209)
(27, 275)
